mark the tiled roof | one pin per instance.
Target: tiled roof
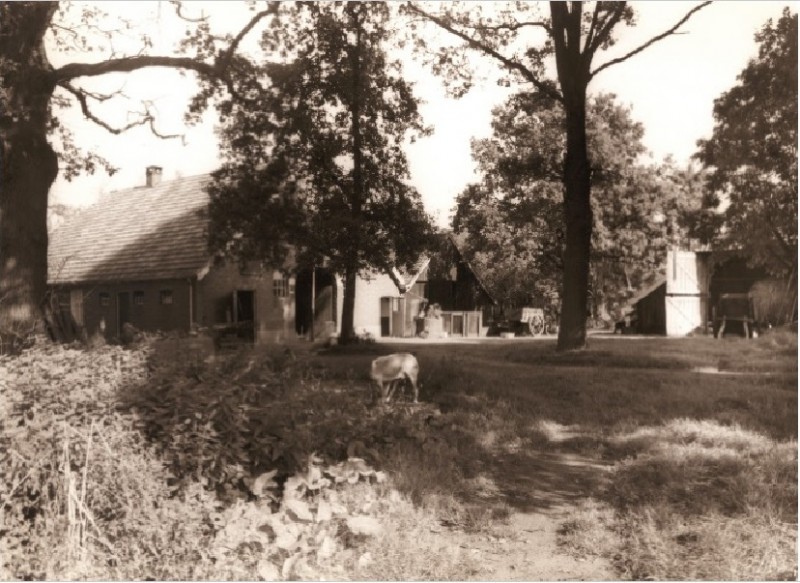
(136, 234)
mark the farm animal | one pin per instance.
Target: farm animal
(395, 368)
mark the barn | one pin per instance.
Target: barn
(140, 256)
(439, 296)
(687, 298)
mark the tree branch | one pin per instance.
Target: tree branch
(146, 119)
(606, 26)
(516, 26)
(592, 26)
(178, 5)
(272, 8)
(127, 64)
(652, 41)
(488, 50)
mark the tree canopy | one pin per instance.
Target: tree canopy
(314, 162)
(510, 225)
(752, 153)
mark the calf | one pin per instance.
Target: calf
(395, 368)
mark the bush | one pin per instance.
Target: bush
(122, 465)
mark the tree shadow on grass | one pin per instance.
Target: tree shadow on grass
(541, 481)
(256, 410)
(226, 422)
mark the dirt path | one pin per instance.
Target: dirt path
(541, 489)
(530, 552)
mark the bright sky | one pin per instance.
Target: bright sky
(671, 88)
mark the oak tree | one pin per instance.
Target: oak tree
(752, 153)
(314, 162)
(574, 37)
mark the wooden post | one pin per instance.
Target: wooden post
(313, 300)
(191, 304)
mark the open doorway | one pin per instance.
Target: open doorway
(386, 317)
(315, 301)
(244, 314)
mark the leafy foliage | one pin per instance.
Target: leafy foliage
(752, 153)
(313, 159)
(511, 223)
(123, 465)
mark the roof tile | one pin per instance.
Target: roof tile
(135, 234)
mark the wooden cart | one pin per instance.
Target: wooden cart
(528, 321)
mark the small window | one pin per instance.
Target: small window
(105, 299)
(138, 298)
(280, 285)
(166, 297)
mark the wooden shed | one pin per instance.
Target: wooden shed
(685, 300)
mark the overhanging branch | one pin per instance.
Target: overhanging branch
(127, 64)
(147, 118)
(651, 42)
(474, 44)
(218, 70)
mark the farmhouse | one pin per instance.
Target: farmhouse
(140, 256)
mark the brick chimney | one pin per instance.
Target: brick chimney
(153, 175)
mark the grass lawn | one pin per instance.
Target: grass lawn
(700, 477)
(123, 467)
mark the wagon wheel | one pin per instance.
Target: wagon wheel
(536, 325)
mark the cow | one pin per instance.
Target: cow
(395, 368)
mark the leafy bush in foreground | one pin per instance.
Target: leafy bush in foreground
(122, 467)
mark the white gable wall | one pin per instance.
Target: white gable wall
(367, 316)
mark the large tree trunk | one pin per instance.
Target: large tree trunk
(29, 167)
(578, 221)
(28, 164)
(348, 308)
(573, 76)
(357, 192)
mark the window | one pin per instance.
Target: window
(165, 297)
(138, 298)
(105, 299)
(281, 285)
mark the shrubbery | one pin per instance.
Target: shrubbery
(123, 465)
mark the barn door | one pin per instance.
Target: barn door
(687, 293)
(687, 274)
(386, 317)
